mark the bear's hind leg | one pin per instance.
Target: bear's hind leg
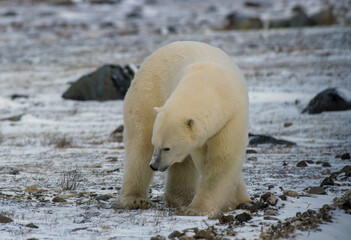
(181, 183)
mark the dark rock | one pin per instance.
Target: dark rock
(104, 197)
(256, 139)
(309, 161)
(109, 82)
(253, 207)
(327, 181)
(243, 217)
(136, 12)
(301, 164)
(158, 237)
(226, 219)
(346, 170)
(265, 196)
(252, 4)
(325, 16)
(345, 156)
(117, 134)
(283, 197)
(330, 99)
(288, 124)
(58, 199)
(15, 96)
(32, 225)
(12, 118)
(316, 190)
(204, 234)
(326, 164)
(238, 21)
(4, 219)
(250, 151)
(9, 13)
(175, 234)
(299, 18)
(104, 1)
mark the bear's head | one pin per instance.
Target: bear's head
(174, 137)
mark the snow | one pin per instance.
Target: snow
(285, 69)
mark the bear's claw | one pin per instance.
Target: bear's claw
(133, 203)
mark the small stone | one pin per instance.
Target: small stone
(316, 190)
(309, 161)
(4, 219)
(326, 172)
(326, 164)
(272, 200)
(204, 234)
(290, 193)
(103, 197)
(301, 164)
(32, 225)
(253, 159)
(158, 237)
(288, 124)
(186, 238)
(346, 170)
(270, 212)
(14, 172)
(283, 197)
(215, 215)
(226, 219)
(345, 156)
(58, 199)
(243, 217)
(174, 234)
(250, 151)
(31, 189)
(265, 196)
(270, 218)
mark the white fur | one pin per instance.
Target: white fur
(187, 111)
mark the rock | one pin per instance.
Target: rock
(345, 156)
(252, 207)
(299, 18)
(288, 124)
(283, 197)
(4, 219)
(256, 139)
(327, 181)
(250, 151)
(32, 225)
(117, 134)
(265, 196)
(326, 164)
(158, 237)
(58, 199)
(109, 82)
(104, 197)
(239, 21)
(301, 164)
(175, 234)
(252, 4)
(290, 193)
(14, 118)
(243, 217)
(270, 212)
(226, 219)
(325, 16)
(270, 218)
(326, 172)
(204, 234)
(252, 159)
(346, 170)
(15, 96)
(31, 189)
(330, 99)
(316, 190)
(272, 200)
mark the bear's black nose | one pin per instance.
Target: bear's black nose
(153, 168)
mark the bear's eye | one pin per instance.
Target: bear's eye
(166, 149)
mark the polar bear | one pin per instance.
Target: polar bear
(186, 112)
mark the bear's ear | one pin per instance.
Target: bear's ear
(157, 110)
(190, 123)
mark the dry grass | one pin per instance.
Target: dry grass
(70, 180)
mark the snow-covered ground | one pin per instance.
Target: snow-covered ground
(46, 47)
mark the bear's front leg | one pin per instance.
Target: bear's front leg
(137, 176)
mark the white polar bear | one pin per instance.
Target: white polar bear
(199, 132)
